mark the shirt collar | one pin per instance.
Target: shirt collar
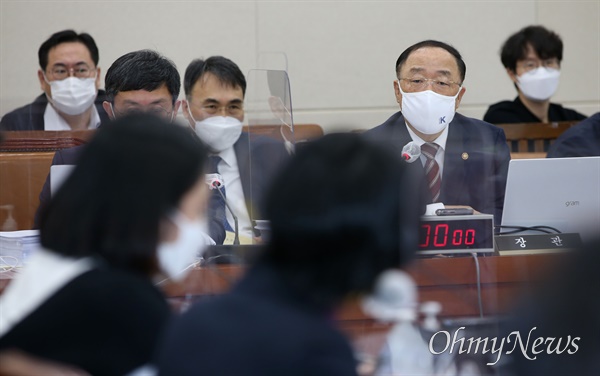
(228, 156)
(54, 122)
(440, 141)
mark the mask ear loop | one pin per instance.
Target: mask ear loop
(190, 111)
(112, 110)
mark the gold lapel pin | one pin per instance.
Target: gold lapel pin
(465, 156)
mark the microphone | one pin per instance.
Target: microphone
(215, 181)
(411, 152)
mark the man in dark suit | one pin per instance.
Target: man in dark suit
(140, 81)
(214, 108)
(582, 140)
(69, 76)
(464, 161)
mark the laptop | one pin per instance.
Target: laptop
(563, 193)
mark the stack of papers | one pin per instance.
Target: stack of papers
(16, 246)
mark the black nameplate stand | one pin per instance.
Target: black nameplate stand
(516, 244)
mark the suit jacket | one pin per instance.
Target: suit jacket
(31, 117)
(261, 327)
(259, 158)
(582, 140)
(475, 162)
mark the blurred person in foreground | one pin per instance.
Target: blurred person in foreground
(130, 211)
(564, 311)
(333, 232)
(532, 58)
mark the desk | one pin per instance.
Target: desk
(452, 281)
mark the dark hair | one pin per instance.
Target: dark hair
(66, 36)
(462, 67)
(133, 173)
(341, 211)
(544, 42)
(224, 69)
(142, 70)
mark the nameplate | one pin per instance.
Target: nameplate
(530, 244)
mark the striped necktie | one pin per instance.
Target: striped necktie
(432, 169)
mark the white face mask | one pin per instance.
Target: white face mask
(218, 132)
(539, 84)
(175, 257)
(427, 111)
(73, 95)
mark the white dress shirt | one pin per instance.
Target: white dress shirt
(54, 122)
(440, 141)
(228, 168)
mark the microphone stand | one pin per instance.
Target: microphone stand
(236, 239)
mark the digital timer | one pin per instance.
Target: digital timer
(456, 234)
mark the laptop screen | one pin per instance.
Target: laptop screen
(559, 192)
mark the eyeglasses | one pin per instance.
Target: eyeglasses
(531, 64)
(61, 72)
(154, 110)
(231, 109)
(444, 87)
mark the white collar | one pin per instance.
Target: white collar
(228, 156)
(440, 141)
(54, 122)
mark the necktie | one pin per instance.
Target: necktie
(432, 170)
(217, 203)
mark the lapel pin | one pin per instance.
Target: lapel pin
(465, 156)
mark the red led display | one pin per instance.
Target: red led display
(455, 234)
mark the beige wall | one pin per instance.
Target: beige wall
(340, 54)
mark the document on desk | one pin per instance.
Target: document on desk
(230, 235)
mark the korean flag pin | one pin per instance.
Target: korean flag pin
(465, 156)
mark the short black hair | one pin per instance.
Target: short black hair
(342, 211)
(224, 69)
(142, 70)
(546, 44)
(462, 67)
(130, 176)
(67, 36)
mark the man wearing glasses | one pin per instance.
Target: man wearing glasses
(463, 161)
(69, 77)
(140, 81)
(532, 60)
(214, 109)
